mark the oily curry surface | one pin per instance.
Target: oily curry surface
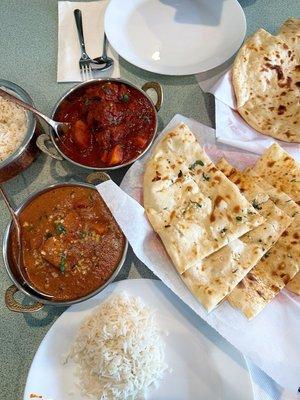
(71, 242)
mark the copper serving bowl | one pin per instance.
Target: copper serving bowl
(39, 301)
(26, 153)
(56, 152)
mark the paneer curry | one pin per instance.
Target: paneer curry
(111, 124)
(71, 242)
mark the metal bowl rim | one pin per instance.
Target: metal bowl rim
(119, 80)
(31, 121)
(5, 240)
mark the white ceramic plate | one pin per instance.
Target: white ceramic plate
(175, 37)
(205, 366)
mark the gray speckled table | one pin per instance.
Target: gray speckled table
(28, 39)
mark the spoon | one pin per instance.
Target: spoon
(20, 263)
(104, 59)
(59, 127)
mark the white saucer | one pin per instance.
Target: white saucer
(175, 37)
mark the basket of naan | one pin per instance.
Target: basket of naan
(231, 234)
(266, 82)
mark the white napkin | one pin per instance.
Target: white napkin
(231, 128)
(68, 44)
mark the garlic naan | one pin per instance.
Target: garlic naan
(278, 266)
(189, 203)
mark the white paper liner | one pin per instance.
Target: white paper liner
(272, 339)
(231, 128)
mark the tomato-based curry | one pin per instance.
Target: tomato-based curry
(111, 124)
(71, 242)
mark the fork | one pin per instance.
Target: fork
(86, 71)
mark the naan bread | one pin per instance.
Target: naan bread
(217, 275)
(294, 285)
(266, 81)
(189, 203)
(290, 33)
(278, 266)
(279, 169)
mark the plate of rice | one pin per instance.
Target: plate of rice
(135, 340)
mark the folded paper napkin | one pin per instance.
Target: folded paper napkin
(68, 44)
(231, 128)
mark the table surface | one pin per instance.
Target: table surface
(28, 39)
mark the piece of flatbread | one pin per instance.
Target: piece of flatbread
(290, 33)
(281, 170)
(294, 285)
(278, 266)
(190, 203)
(217, 275)
(266, 82)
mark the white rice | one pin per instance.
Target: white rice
(119, 351)
(13, 127)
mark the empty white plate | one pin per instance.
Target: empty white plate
(202, 364)
(175, 37)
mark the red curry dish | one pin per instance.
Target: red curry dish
(111, 124)
(71, 242)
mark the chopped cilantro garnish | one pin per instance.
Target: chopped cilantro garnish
(197, 162)
(62, 264)
(205, 177)
(256, 205)
(223, 230)
(197, 204)
(125, 98)
(60, 228)
(238, 218)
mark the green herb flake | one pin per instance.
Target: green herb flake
(86, 102)
(205, 177)
(125, 98)
(239, 218)
(180, 174)
(62, 264)
(256, 205)
(82, 234)
(223, 230)
(197, 204)
(60, 229)
(294, 180)
(197, 162)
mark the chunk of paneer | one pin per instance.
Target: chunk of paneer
(52, 251)
(81, 134)
(116, 155)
